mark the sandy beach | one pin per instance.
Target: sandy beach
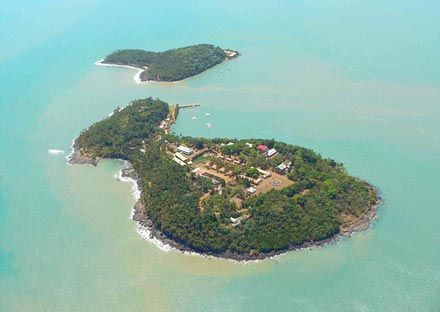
(136, 77)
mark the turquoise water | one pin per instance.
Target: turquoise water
(358, 81)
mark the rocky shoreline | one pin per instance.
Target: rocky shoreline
(79, 157)
(360, 224)
(146, 223)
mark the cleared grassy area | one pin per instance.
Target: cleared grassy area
(275, 181)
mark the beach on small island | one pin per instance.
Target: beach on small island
(167, 66)
(136, 77)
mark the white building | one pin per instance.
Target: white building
(281, 167)
(271, 152)
(181, 157)
(177, 160)
(196, 170)
(251, 190)
(185, 150)
(284, 167)
(264, 173)
(230, 53)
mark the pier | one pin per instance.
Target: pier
(194, 105)
(174, 111)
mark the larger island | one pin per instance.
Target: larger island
(238, 199)
(170, 65)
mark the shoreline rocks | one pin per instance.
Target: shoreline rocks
(360, 224)
(79, 157)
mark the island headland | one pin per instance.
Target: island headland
(236, 199)
(171, 65)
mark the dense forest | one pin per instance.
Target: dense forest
(125, 130)
(322, 199)
(170, 65)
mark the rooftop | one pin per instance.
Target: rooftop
(184, 149)
(262, 148)
(271, 152)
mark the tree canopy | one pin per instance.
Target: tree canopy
(322, 198)
(170, 65)
(117, 135)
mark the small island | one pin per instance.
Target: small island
(171, 65)
(236, 199)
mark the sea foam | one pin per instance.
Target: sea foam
(55, 151)
(136, 192)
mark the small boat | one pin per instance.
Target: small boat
(208, 125)
(194, 118)
(207, 114)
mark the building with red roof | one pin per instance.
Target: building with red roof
(262, 148)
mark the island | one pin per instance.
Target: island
(170, 65)
(229, 198)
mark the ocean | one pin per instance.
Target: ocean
(357, 81)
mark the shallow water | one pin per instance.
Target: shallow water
(357, 81)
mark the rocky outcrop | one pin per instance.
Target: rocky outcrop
(80, 157)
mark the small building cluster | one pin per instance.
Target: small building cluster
(179, 156)
(268, 152)
(232, 170)
(284, 167)
(225, 169)
(231, 53)
(227, 165)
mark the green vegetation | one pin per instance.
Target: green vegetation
(322, 199)
(119, 135)
(171, 65)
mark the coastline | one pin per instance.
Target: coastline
(147, 231)
(137, 77)
(78, 157)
